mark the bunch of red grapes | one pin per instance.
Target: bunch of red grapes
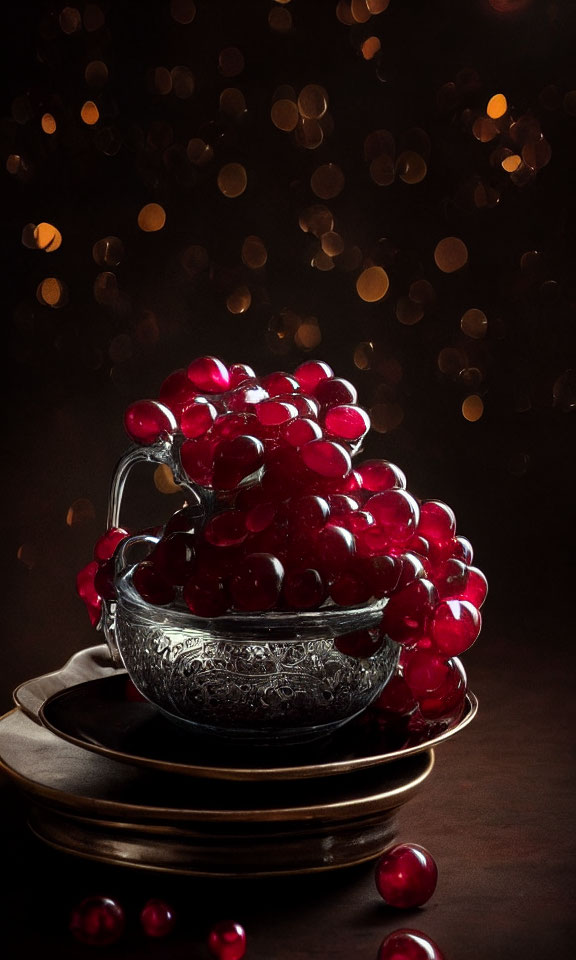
(294, 524)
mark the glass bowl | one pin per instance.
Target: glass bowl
(260, 678)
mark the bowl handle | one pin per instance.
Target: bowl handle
(108, 618)
(166, 451)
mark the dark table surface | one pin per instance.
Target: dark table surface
(497, 814)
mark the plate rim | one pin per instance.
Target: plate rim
(199, 874)
(261, 774)
(88, 654)
(347, 809)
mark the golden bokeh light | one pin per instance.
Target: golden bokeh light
(472, 408)
(151, 218)
(408, 312)
(28, 238)
(108, 251)
(183, 82)
(280, 20)
(422, 291)
(321, 261)
(44, 235)
(451, 254)
(382, 170)
(70, 20)
(386, 416)
(93, 17)
(164, 480)
(284, 114)
(471, 377)
(526, 128)
(254, 253)
(511, 163)
(364, 355)
(377, 6)
(370, 47)
(359, 10)
(48, 123)
(564, 391)
(484, 129)
(344, 14)
(183, 11)
(537, 153)
(372, 284)
(28, 555)
(198, 152)
(80, 512)
(316, 219)
(14, 163)
(308, 335)
(96, 74)
(90, 113)
(474, 323)
(231, 62)
(327, 181)
(451, 361)
(332, 243)
(497, 106)
(50, 292)
(308, 134)
(411, 167)
(312, 101)
(239, 300)
(161, 81)
(523, 175)
(55, 243)
(232, 180)
(232, 102)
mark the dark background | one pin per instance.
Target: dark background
(70, 371)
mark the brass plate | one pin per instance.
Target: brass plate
(93, 807)
(96, 716)
(87, 664)
(69, 777)
(301, 856)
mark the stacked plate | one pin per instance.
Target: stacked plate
(107, 777)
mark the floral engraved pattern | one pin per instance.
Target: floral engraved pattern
(250, 688)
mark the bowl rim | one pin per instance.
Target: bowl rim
(282, 623)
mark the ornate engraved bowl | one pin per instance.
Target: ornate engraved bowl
(260, 678)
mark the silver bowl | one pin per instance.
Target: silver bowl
(262, 678)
